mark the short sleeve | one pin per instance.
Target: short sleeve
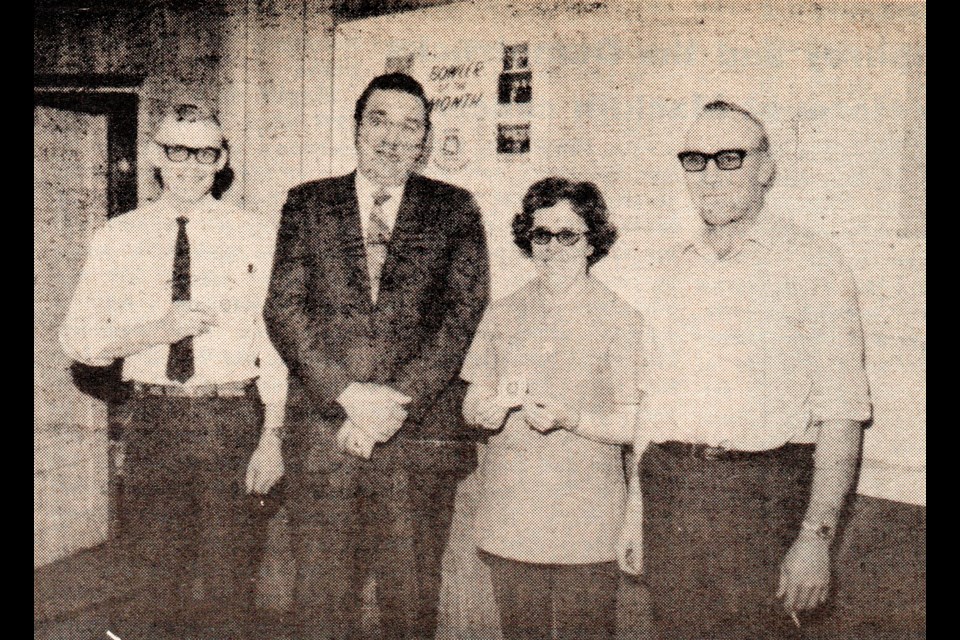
(628, 362)
(840, 390)
(480, 365)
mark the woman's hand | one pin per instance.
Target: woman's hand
(547, 414)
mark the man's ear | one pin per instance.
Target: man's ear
(224, 156)
(768, 171)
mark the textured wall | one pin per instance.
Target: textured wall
(842, 86)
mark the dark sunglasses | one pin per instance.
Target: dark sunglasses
(178, 153)
(725, 159)
(566, 237)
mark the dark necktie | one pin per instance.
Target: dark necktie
(378, 235)
(180, 360)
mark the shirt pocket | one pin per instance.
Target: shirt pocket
(231, 294)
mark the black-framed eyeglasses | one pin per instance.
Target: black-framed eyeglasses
(566, 237)
(725, 159)
(204, 155)
(411, 131)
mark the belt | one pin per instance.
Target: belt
(221, 390)
(700, 451)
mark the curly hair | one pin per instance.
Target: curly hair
(586, 201)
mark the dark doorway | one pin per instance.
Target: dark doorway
(120, 105)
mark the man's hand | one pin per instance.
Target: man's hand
(630, 543)
(491, 412)
(266, 463)
(185, 318)
(355, 441)
(805, 574)
(547, 414)
(375, 408)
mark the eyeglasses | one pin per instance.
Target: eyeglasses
(566, 237)
(178, 153)
(411, 131)
(725, 159)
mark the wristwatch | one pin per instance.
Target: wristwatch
(822, 530)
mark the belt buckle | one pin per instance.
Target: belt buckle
(712, 453)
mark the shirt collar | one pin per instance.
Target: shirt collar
(366, 188)
(207, 203)
(572, 294)
(763, 233)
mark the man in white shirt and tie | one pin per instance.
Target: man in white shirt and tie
(176, 288)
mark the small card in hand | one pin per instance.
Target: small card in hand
(511, 391)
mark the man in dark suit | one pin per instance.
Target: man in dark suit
(379, 281)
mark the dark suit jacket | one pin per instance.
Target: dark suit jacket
(433, 290)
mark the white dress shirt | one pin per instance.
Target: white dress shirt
(365, 190)
(127, 281)
(755, 348)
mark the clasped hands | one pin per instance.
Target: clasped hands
(541, 414)
(375, 412)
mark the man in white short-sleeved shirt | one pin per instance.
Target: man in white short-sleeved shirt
(761, 396)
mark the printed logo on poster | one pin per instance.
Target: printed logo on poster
(450, 150)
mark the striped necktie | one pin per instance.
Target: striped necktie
(378, 235)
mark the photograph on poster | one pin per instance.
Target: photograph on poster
(515, 88)
(398, 64)
(515, 57)
(513, 138)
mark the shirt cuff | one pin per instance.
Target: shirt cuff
(851, 410)
(348, 395)
(82, 347)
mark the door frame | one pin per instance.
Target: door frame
(117, 97)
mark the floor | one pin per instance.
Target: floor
(881, 586)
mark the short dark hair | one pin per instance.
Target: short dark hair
(392, 82)
(586, 201)
(723, 105)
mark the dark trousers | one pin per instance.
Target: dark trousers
(192, 531)
(364, 518)
(554, 601)
(715, 533)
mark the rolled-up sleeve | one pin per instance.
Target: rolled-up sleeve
(88, 326)
(839, 387)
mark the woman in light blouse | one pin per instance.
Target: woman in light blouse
(555, 372)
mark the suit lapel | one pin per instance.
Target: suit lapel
(407, 225)
(345, 214)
